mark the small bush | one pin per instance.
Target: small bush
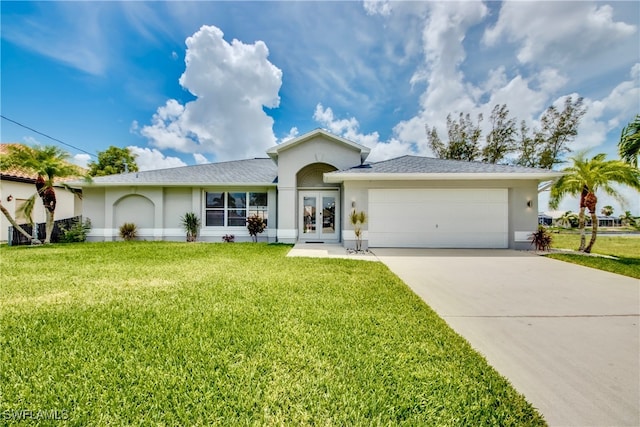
(77, 232)
(191, 223)
(255, 225)
(128, 231)
(541, 239)
(228, 238)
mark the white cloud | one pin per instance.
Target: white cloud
(149, 159)
(293, 132)
(200, 159)
(557, 32)
(81, 160)
(233, 82)
(349, 129)
(609, 113)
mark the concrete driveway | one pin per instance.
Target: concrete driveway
(566, 336)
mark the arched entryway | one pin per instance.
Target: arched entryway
(318, 205)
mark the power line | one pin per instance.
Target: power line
(47, 136)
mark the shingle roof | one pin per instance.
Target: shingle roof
(251, 171)
(421, 165)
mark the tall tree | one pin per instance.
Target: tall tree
(112, 161)
(464, 139)
(585, 177)
(501, 140)
(558, 129)
(49, 164)
(629, 145)
(527, 148)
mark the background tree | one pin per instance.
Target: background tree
(585, 177)
(527, 148)
(629, 145)
(464, 139)
(558, 129)
(112, 161)
(501, 140)
(49, 163)
(627, 219)
(568, 220)
(544, 148)
(607, 210)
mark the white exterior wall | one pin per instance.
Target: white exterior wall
(157, 212)
(68, 205)
(290, 162)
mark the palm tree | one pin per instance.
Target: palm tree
(629, 145)
(567, 220)
(627, 219)
(607, 210)
(585, 177)
(49, 163)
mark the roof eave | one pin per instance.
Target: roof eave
(337, 177)
(173, 184)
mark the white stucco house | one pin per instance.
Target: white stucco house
(306, 188)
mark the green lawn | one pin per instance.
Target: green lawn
(232, 334)
(627, 249)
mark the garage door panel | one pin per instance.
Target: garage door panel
(444, 218)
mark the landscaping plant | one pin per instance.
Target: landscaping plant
(541, 239)
(357, 220)
(229, 238)
(191, 223)
(128, 231)
(77, 232)
(255, 225)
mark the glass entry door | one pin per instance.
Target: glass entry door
(319, 215)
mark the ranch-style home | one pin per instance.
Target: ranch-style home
(306, 189)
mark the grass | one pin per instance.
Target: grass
(626, 248)
(160, 333)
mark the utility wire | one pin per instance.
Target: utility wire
(47, 136)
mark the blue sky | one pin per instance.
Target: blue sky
(193, 82)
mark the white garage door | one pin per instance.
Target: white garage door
(439, 218)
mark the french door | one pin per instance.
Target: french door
(319, 215)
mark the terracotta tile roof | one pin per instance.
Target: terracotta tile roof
(22, 174)
(15, 172)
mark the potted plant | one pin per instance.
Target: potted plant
(191, 224)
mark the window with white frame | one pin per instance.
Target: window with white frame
(230, 209)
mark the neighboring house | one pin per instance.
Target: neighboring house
(17, 185)
(308, 186)
(544, 219)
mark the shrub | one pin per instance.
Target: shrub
(191, 224)
(255, 225)
(128, 231)
(357, 220)
(228, 238)
(77, 232)
(541, 239)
